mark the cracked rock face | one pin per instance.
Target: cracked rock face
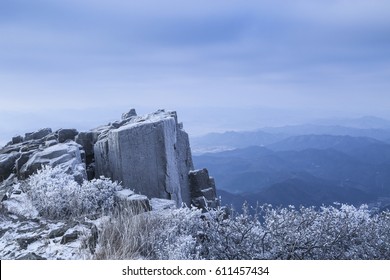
(149, 154)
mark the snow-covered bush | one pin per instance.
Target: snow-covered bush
(125, 234)
(332, 232)
(343, 232)
(233, 237)
(167, 234)
(56, 194)
(176, 234)
(180, 234)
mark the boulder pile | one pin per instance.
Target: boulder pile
(149, 155)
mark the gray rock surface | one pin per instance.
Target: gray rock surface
(69, 237)
(38, 134)
(149, 154)
(17, 139)
(22, 160)
(67, 155)
(203, 191)
(87, 140)
(7, 164)
(130, 114)
(160, 204)
(67, 134)
(128, 200)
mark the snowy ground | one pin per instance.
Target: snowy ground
(23, 234)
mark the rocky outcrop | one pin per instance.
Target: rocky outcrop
(127, 199)
(35, 238)
(7, 164)
(40, 134)
(67, 134)
(67, 155)
(25, 155)
(203, 192)
(149, 154)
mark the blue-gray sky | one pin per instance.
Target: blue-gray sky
(222, 64)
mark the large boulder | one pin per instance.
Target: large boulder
(87, 140)
(7, 164)
(22, 160)
(38, 134)
(67, 134)
(130, 114)
(149, 154)
(17, 139)
(202, 187)
(127, 200)
(67, 155)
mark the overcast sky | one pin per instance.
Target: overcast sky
(232, 64)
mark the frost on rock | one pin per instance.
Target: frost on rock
(55, 186)
(150, 154)
(65, 155)
(160, 204)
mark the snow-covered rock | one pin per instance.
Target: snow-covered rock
(7, 164)
(160, 204)
(203, 191)
(67, 134)
(38, 134)
(24, 235)
(67, 155)
(150, 154)
(127, 199)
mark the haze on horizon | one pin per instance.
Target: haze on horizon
(223, 65)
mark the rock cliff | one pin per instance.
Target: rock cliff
(149, 155)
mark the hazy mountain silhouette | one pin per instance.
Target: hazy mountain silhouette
(338, 169)
(370, 127)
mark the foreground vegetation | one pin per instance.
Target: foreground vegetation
(329, 232)
(342, 232)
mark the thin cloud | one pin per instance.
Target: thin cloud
(201, 54)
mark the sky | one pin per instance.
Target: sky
(221, 64)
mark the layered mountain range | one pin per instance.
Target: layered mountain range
(301, 165)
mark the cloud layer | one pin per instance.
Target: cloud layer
(195, 54)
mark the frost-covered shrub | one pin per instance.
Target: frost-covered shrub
(180, 234)
(176, 234)
(234, 237)
(332, 232)
(168, 234)
(343, 232)
(56, 194)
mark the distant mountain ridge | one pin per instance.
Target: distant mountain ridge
(304, 169)
(366, 122)
(370, 127)
(363, 148)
